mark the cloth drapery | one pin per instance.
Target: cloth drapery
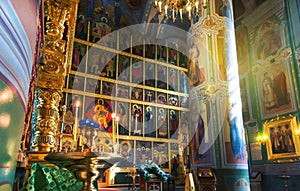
(47, 178)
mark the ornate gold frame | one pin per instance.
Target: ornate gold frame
(282, 142)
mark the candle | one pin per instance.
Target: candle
(113, 115)
(63, 118)
(166, 10)
(117, 126)
(197, 6)
(155, 3)
(77, 104)
(180, 11)
(159, 5)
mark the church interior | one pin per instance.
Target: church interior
(157, 95)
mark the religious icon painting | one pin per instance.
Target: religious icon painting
(149, 121)
(126, 148)
(124, 68)
(78, 63)
(173, 79)
(183, 82)
(161, 98)
(137, 45)
(96, 61)
(173, 100)
(245, 99)
(81, 25)
(149, 74)
(174, 146)
(92, 86)
(182, 60)
(137, 94)
(161, 53)
(276, 94)
(100, 30)
(136, 120)
(184, 102)
(72, 101)
(125, 41)
(150, 51)
(162, 123)
(160, 154)
(137, 71)
(143, 151)
(183, 128)
(161, 77)
(123, 114)
(149, 96)
(122, 91)
(172, 56)
(99, 110)
(174, 123)
(76, 82)
(109, 69)
(108, 88)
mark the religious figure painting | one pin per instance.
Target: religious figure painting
(126, 151)
(98, 59)
(149, 74)
(173, 79)
(160, 154)
(143, 151)
(99, 110)
(234, 142)
(245, 99)
(92, 86)
(270, 42)
(196, 72)
(162, 123)
(108, 88)
(136, 119)
(150, 121)
(78, 63)
(122, 91)
(172, 56)
(137, 71)
(161, 77)
(174, 123)
(124, 68)
(199, 133)
(76, 82)
(122, 113)
(276, 93)
(282, 142)
(182, 60)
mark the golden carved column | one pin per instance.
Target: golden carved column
(59, 29)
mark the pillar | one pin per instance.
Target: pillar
(218, 94)
(56, 51)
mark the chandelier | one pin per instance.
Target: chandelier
(173, 9)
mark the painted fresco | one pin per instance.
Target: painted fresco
(275, 89)
(245, 99)
(242, 49)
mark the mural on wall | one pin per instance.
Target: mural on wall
(234, 146)
(197, 60)
(275, 89)
(245, 99)
(200, 134)
(242, 49)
